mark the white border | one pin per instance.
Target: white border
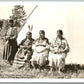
(41, 3)
(42, 80)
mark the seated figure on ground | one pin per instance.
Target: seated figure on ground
(41, 51)
(25, 51)
(58, 52)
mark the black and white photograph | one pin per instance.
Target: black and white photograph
(41, 40)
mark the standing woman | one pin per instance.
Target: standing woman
(10, 47)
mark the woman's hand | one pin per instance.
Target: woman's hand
(38, 51)
(61, 51)
(54, 52)
(22, 47)
(30, 46)
(7, 38)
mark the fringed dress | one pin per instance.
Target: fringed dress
(41, 52)
(57, 59)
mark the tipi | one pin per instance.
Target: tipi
(51, 18)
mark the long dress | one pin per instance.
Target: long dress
(41, 51)
(10, 47)
(58, 59)
(24, 53)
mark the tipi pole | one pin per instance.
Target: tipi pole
(28, 17)
(32, 11)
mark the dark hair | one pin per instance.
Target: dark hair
(60, 31)
(11, 21)
(28, 33)
(42, 31)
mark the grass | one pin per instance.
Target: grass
(71, 71)
(7, 71)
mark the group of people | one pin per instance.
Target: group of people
(35, 52)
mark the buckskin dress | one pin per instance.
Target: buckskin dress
(41, 51)
(58, 59)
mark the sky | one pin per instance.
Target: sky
(6, 10)
(53, 16)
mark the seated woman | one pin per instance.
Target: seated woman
(25, 51)
(41, 50)
(58, 52)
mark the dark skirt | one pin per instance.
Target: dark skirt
(10, 49)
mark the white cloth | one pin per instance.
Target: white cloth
(40, 58)
(57, 60)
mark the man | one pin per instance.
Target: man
(58, 52)
(41, 50)
(10, 47)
